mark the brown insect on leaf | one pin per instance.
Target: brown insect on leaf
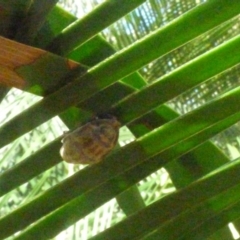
(91, 142)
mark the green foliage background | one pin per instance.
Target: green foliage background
(106, 194)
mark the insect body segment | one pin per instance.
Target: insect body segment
(90, 143)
